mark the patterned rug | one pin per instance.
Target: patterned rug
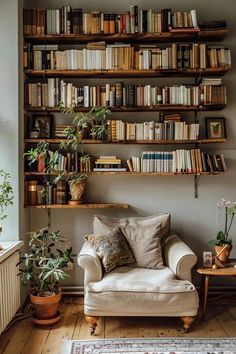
(151, 346)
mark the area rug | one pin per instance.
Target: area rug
(151, 346)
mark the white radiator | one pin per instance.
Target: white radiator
(9, 289)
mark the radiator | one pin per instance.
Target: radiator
(9, 290)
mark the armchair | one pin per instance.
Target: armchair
(133, 291)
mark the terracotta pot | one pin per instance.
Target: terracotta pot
(77, 189)
(224, 256)
(45, 307)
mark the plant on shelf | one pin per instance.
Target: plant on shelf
(93, 123)
(77, 184)
(44, 159)
(43, 267)
(222, 239)
(6, 195)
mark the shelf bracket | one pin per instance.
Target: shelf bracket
(196, 181)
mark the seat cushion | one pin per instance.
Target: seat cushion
(129, 291)
(112, 248)
(145, 244)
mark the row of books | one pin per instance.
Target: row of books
(176, 56)
(168, 130)
(37, 193)
(68, 161)
(102, 56)
(53, 91)
(178, 161)
(67, 20)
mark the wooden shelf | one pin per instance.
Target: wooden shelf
(81, 206)
(108, 173)
(130, 142)
(165, 37)
(128, 73)
(157, 108)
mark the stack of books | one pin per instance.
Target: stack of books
(60, 130)
(108, 163)
(213, 25)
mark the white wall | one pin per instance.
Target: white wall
(196, 220)
(9, 110)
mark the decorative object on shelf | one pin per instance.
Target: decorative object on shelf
(222, 238)
(6, 195)
(215, 128)
(42, 123)
(44, 266)
(77, 184)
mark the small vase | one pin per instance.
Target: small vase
(77, 189)
(224, 256)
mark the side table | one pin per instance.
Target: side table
(206, 273)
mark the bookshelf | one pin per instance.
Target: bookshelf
(185, 37)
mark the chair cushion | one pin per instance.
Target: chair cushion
(145, 244)
(112, 248)
(105, 223)
(130, 291)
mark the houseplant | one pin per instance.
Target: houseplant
(77, 183)
(43, 266)
(91, 124)
(222, 239)
(6, 195)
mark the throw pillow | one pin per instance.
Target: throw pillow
(106, 223)
(112, 248)
(145, 244)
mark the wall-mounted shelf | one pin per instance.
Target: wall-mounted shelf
(128, 73)
(175, 36)
(112, 173)
(81, 206)
(129, 142)
(157, 108)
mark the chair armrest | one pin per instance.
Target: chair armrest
(179, 257)
(90, 262)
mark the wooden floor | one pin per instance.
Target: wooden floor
(26, 338)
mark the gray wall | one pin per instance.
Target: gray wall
(196, 220)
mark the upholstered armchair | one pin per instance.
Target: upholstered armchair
(164, 289)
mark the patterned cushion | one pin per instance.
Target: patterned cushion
(112, 248)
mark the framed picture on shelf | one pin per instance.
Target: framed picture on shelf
(215, 128)
(42, 124)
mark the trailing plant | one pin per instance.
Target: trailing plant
(44, 264)
(6, 193)
(95, 120)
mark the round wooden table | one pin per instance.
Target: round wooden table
(206, 273)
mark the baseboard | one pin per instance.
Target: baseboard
(73, 290)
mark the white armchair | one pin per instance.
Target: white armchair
(133, 291)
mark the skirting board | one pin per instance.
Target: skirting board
(213, 290)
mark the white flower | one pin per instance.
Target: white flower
(223, 203)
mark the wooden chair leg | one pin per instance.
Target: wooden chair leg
(92, 321)
(187, 321)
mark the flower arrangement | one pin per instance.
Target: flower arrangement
(222, 237)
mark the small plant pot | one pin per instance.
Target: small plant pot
(45, 307)
(224, 256)
(77, 189)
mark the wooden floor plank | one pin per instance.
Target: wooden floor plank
(63, 330)
(36, 341)
(25, 338)
(16, 337)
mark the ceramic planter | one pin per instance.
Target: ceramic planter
(224, 256)
(45, 307)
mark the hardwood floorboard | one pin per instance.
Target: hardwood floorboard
(26, 338)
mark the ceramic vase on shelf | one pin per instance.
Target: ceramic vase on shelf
(76, 190)
(224, 256)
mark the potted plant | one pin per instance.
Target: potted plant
(93, 123)
(6, 195)
(77, 183)
(222, 239)
(44, 266)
